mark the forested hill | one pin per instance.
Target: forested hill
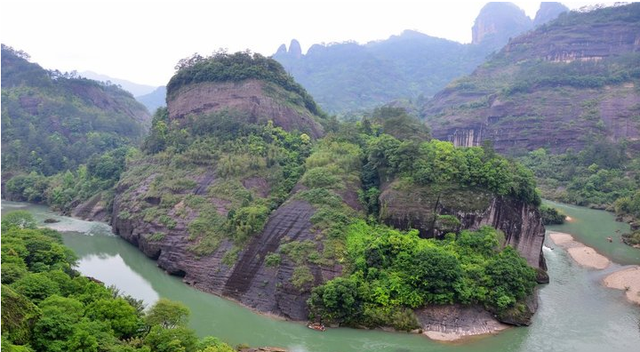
(560, 86)
(348, 77)
(53, 121)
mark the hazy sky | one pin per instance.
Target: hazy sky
(142, 40)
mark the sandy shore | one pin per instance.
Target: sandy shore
(461, 337)
(626, 279)
(583, 255)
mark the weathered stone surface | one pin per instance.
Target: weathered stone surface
(548, 11)
(248, 281)
(456, 321)
(557, 116)
(92, 209)
(248, 97)
(419, 208)
(497, 22)
(268, 289)
(520, 315)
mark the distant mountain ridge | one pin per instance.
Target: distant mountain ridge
(412, 66)
(155, 99)
(136, 89)
(347, 77)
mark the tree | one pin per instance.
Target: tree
(434, 272)
(36, 286)
(177, 339)
(511, 278)
(336, 301)
(19, 218)
(167, 314)
(57, 324)
(118, 313)
(213, 344)
(18, 316)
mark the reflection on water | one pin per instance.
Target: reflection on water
(131, 284)
(576, 312)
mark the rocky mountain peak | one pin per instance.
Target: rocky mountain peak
(497, 22)
(282, 50)
(294, 49)
(548, 11)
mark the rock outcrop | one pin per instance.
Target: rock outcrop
(454, 322)
(258, 101)
(94, 209)
(426, 209)
(497, 22)
(552, 87)
(248, 280)
(548, 11)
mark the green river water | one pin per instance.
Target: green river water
(576, 312)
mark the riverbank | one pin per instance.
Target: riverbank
(563, 301)
(457, 323)
(628, 280)
(583, 255)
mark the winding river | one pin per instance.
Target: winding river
(576, 312)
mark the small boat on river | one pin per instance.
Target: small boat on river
(316, 326)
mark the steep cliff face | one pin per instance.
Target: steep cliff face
(497, 22)
(428, 209)
(243, 274)
(555, 87)
(260, 101)
(94, 209)
(222, 208)
(548, 11)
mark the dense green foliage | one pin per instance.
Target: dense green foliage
(629, 209)
(389, 272)
(437, 162)
(397, 122)
(220, 176)
(47, 306)
(536, 75)
(183, 163)
(52, 122)
(603, 175)
(66, 189)
(64, 138)
(596, 176)
(240, 66)
(551, 216)
(332, 170)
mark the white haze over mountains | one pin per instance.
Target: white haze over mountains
(142, 40)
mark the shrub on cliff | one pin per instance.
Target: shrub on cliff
(437, 162)
(551, 216)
